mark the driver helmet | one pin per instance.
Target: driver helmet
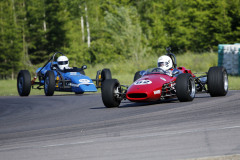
(62, 62)
(165, 62)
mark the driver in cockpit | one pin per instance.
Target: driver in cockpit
(63, 63)
(165, 63)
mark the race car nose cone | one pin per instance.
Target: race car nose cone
(142, 91)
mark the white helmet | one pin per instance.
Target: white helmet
(165, 63)
(62, 62)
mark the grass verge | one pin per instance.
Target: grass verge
(229, 157)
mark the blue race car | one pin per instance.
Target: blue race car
(54, 77)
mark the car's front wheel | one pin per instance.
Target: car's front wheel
(185, 87)
(217, 81)
(24, 83)
(49, 83)
(111, 93)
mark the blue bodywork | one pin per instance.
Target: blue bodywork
(73, 79)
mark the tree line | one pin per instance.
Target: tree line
(100, 31)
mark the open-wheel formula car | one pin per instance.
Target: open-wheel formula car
(156, 84)
(53, 77)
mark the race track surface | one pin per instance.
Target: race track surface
(79, 127)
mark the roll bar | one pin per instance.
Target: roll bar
(51, 59)
(172, 56)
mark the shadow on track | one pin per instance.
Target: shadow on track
(128, 104)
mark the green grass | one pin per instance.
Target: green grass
(124, 71)
(234, 83)
(228, 157)
(9, 88)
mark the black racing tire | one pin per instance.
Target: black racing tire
(109, 97)
(24, 83)
(49, 83)
(137, 76)
(106, 74)
(185, 87)
(217, 81)
(82, 72)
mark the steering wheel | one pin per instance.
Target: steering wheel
(158, 70)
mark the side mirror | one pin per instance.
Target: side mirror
(84, 67)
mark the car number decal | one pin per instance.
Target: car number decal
(84, 81)
(142, 82)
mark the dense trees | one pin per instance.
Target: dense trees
(11, 43)
(99, 31)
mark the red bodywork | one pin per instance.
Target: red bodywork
(153, 87)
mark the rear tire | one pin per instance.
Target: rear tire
(24, 83)
(217, 81)
(185, 87)
(106, 74)
(49, 83)
(137, 76)
(110, 93)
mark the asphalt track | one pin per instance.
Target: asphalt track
(79, 127)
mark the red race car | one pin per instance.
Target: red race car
(157, 84)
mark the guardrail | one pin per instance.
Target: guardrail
(229, 57)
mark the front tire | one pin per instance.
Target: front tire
(111, 93)
(185, 87)
(24, 83)
(217, 81)
(49, 83)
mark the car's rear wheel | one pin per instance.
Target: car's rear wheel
(185, 87)
(106, 74)
(136, 76)
(217, 81)
(111, 93)
(49, 83)
(24, 83)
